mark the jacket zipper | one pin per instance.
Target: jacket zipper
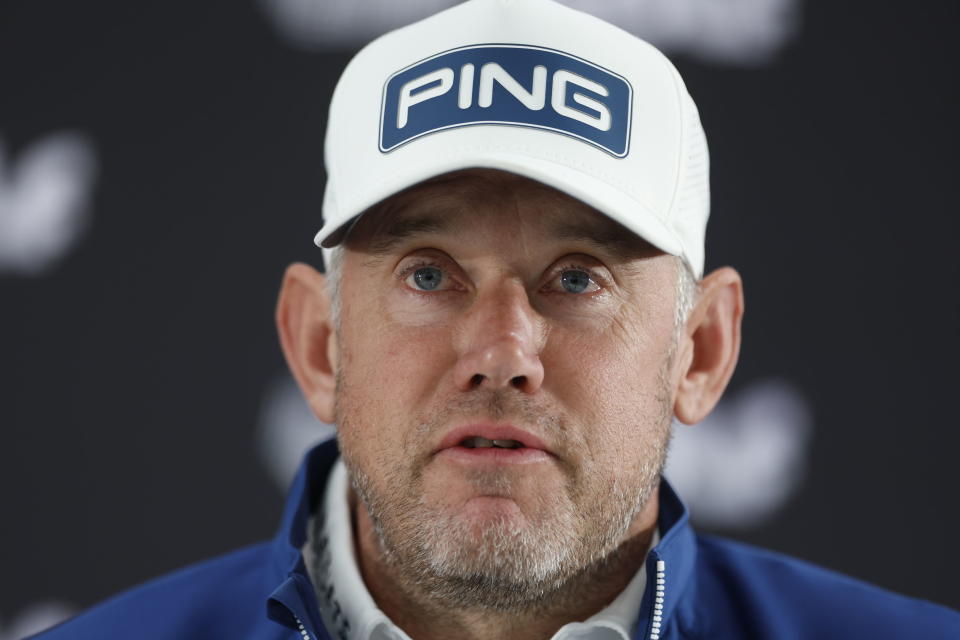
(303, 630)
(658, 600)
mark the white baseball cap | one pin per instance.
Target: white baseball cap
(526, 86)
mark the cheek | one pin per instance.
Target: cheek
(388, 335)
(391, 369)
(399, 357)
(612, 382)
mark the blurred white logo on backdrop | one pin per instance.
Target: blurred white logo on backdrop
(287, 429)
(35, 619)
(734, 470)
(44, 201)
(739, 32)
(740, 465)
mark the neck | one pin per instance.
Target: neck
(424, 618)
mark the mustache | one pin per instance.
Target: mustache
(499, 405)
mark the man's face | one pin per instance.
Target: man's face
(482, 306)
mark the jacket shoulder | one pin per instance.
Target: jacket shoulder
(777, 596)
(217, 598)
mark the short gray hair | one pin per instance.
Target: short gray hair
(334, 272)
(688, 288)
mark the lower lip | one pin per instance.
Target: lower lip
(495, 455)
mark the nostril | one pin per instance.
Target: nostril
(519, 381)
(476, 380)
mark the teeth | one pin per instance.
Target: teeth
(476, 442)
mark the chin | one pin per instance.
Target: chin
(480, 512)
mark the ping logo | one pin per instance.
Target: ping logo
(510, 85)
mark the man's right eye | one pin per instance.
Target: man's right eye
(425, 278)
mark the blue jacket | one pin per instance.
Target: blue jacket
(711, 588)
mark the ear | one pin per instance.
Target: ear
(307, 336)
(710, 345)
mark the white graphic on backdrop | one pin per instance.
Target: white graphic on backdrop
(287, 430)
(741, 32)
(44, 201)
(35, 619)
(741, 464)
(734, 470)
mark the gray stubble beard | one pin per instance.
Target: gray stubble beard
(507, 567)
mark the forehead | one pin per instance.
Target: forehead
(476, 200)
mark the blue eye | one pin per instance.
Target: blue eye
(575, 281)
(428, 278)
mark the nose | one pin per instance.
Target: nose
(500, 342)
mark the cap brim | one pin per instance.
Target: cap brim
(607, 199)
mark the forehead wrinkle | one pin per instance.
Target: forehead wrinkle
(569, 219)
(521, 224)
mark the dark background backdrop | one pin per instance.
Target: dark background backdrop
(132, 370)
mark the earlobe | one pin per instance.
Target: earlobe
(711, 345)
(307, 336)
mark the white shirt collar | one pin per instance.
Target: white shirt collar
(350, 613)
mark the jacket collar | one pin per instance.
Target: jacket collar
(293, 601)
(670, 568)
(670, 565)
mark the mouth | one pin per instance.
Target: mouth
(487, 443)
(478, 442)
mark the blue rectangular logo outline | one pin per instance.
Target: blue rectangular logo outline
(383, 101)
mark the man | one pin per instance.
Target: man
(514, 309)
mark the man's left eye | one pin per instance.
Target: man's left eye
(577, 281)
(426, 278)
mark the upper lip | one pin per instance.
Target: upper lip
(491, 432)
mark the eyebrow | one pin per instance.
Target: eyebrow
(399, 229)
(608, 236)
